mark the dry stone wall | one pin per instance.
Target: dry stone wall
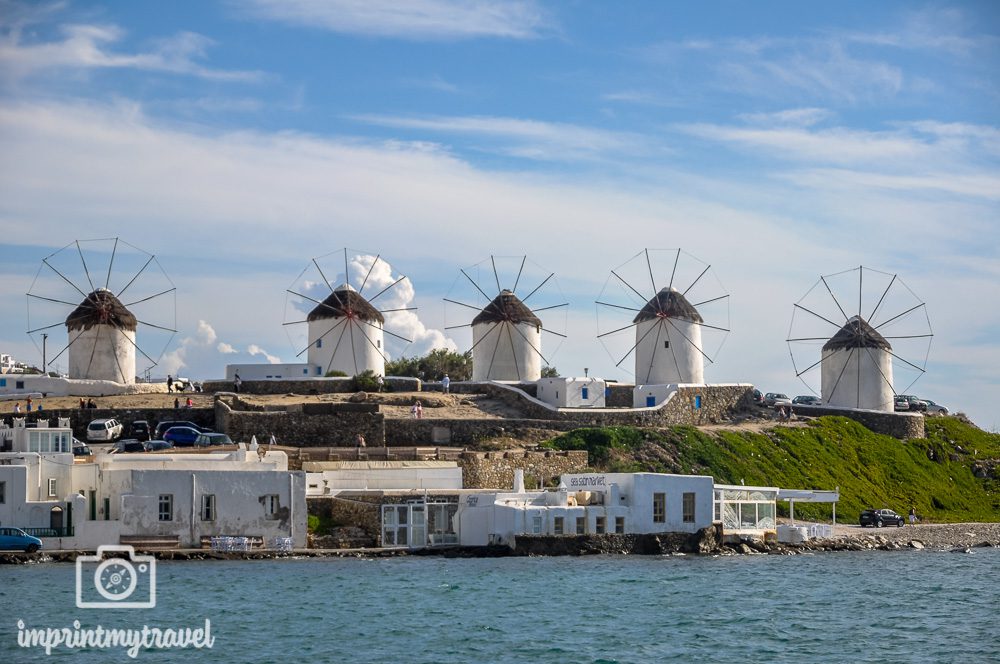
(308, 385)
(495, 470)
(898, 425)
(305, 425)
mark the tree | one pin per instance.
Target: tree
(433, 366)
(550, 372)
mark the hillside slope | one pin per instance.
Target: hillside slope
(936, 475)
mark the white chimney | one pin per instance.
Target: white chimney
(518, 480)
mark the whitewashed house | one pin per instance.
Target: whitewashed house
(560, 392)
(166, 499)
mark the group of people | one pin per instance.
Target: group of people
(187, 404)
(89, 403)
(29, 404)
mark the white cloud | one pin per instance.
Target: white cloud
(89, 47)
(254, 349)
(189, 349)
(414, 19)
(799, 117)
(530, 139)
(226, 349)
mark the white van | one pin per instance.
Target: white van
(109, 430)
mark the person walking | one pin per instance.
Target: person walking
(446, 384)
(170, 383)
(913, 516)
(237, 381)
(381, 382)
(17, 408)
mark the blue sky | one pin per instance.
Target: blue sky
(776, 141)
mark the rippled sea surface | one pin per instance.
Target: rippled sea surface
(908, 606)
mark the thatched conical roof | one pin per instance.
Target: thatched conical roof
(668, 303)
(345, 301)
(506, 307)
(101, 308)
(857, 333)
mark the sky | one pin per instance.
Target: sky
(774, 141)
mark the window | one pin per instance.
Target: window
(536, 524)
(52, 487)
(3, 493)
(271, 505)
(208, 507)
(659, 508)
(166, 507)
(600, 529)
(619, 524)
(666, 343)
(581, 525)
(18, 384)
(3, 382)
(583, 393)
(319, 343)
(557, 525)
(689, 507)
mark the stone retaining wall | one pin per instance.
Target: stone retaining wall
(898, 425)
(305, 425)
(495, 470)
(308, 385)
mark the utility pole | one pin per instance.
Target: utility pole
(45, 369)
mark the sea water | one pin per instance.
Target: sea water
(907, 606)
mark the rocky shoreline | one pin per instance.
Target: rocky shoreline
(958, 537)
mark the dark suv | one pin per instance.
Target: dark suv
(162, 427)
(879, 518)
(139, 430)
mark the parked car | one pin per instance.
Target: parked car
(104, 430)
(935, 408)
(79, 449)
(140, 430)
(158, 445)
(807, 400)
(879, 518)
(757, 397)
(209, 439)
(771, 399)
(163, 427)
(911, 402)
(15, 538)
(181, 436)
(130, 445)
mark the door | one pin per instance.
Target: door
(56, 519)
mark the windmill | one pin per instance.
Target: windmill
(108, 295)
(667, 310)
(862, 319)
(345, 331)
(506, 332)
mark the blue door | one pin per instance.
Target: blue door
(650, 401)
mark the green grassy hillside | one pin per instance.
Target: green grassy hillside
(936, 475)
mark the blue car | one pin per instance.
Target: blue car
(181, 436)
(15, 538)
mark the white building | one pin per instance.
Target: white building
(324, 478)
(562, 392)
(506, 341)
(668, 341)
(177, 500)
(346, 334)
(856, 370)
(260, 371)
(102, 339)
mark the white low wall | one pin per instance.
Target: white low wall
(63, 387)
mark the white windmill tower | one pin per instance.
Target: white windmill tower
(506, 333)
(856, 362)
(346, 333)
(103, 334)
(671, 336)
(101, 328)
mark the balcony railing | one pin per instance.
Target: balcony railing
(66, 531)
